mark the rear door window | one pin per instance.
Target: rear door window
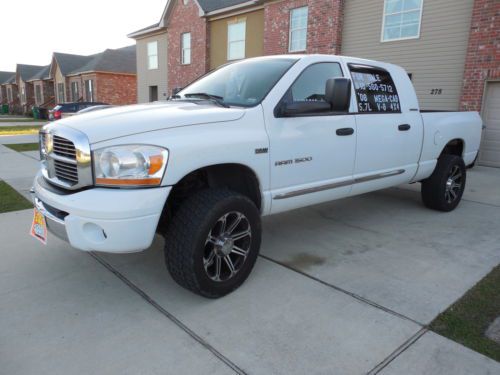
(375, 90)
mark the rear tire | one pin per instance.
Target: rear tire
(212, 242)
(443, 190)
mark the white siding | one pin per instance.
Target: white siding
(436, 60)
(154, 77)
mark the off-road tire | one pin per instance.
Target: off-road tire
(434, 188)
(186, 235)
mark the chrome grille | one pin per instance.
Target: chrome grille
(64, 147)
(66, 158)
(66, 171)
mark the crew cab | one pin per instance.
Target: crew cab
(252, 138)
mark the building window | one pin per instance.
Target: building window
(89, 90)
(23, 94)
(153, 93)
(186, 48)
(236, 34)
(402, 19)
(9, 94)
(38, 94)
(298, 29)
(74, 91)
(60, 92)
(153, 55)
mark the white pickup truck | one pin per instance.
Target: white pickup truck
(252, 138)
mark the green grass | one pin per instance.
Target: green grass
(19, 130)
(467, 320)
(21, 147)
(11, 200)
(18, 120)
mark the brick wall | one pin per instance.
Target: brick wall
(116, 89)
(324, 26)
(186, 18)
(3, 94)
(483, 53)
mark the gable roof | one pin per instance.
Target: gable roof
(206, 6)
(6, 76)
(120, 60)
(213, 5)
(68, 62)
(27, 71)
(43, 73)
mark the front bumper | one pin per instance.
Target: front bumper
(100, 219)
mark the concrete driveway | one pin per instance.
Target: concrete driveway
(341, 288)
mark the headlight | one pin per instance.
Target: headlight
(130, 165)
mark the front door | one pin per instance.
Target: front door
(310, 162)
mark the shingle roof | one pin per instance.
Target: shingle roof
(211, 5)
(6, 76)
(43, 73)
(153, 26)
(68, 62)
(121, 60)
(27, 71)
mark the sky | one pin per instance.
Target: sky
(32, 29)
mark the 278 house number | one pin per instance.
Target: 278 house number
(436, 91)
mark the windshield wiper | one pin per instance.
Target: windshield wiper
(214, 98)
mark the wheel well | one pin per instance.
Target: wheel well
(236, 177)
(454, 147)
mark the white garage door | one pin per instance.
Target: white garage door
(490, 146)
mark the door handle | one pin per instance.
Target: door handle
(404, 127)
(345, 131)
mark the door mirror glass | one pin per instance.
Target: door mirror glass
(338, 94)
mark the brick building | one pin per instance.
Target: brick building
(43, 88)
(9, 87)
(26, 91)
(450, 48)
(4, 78)
(108, 77)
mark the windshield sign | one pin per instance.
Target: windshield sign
(245, 83)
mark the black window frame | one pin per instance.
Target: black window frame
(372, 68)
(278, 106)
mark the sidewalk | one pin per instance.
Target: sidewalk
(341, 288)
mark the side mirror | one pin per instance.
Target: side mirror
(338, 94)
(301, 108)
(176, 90)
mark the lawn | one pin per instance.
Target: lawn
(19, 130)
(11, 200)
(467, 320)
(21, 147)
(17, 120)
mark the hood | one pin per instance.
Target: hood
(105, 124)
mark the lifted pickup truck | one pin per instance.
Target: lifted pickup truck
(252, 138)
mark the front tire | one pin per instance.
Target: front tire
(212, 242)
(443, 190)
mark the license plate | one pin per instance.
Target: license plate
(39, 227)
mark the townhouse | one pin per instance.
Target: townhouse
(24, 74)
(43, 88)
(450, 48)
(108, 77)
(10, 88)
(4, 78)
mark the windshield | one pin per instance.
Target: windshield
(245, 83)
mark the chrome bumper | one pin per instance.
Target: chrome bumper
(55, 225)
